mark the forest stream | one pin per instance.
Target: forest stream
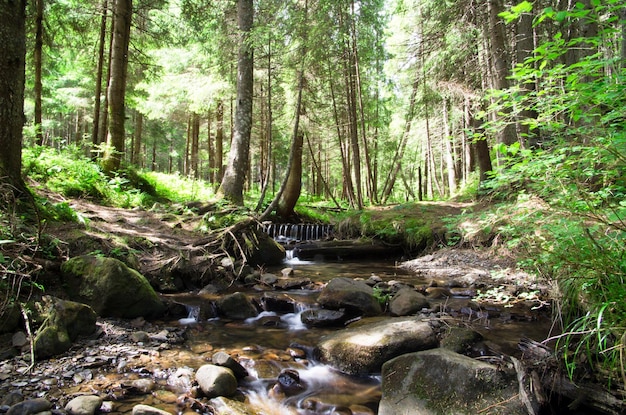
(131, 362)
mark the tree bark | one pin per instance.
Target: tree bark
(447, 137)
(12, 68)
(500, 60)
(219, 142)
(95, 133)
(233, 182)
(117, 89)
(195, 145)
(137, 158)
(37, 57)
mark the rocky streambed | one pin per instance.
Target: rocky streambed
(299, 342)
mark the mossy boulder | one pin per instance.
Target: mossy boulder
(441, 381)
(354, 296)
(110, 287)
(65, 321)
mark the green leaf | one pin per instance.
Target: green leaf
(523, 7)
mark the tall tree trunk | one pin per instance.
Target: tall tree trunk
(103, 130)
(137, 158)
(353, 124)
(210, 149)
(266, 173)
(359, 94)
(195, 145)
(293, 185)
(117, 89)
(37, 57)
(12, 68)
(447, 139)
(500, 60)
(348, 189)
(95, 137)
(524, 47)
(235, 175)
(399, 154)
(219, 142)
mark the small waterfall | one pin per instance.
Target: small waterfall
(297, 232)
(192, 316)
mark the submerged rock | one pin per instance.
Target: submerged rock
(363, 350)
(440, 381)
(148, 410)
(110, 287)
(356, 297)
(236, 306)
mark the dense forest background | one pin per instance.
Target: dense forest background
(360, 103)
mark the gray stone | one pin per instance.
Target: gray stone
(407, 302)
(110, 287)
(323, 318)
(19, 339)
(84, 405)
(216, 381)
(148, 410)
(440, 381)
(65, 321)
(224, 359)
(356, 297)
(31, 406)
(236, 306)
(362, 350)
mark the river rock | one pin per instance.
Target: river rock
(440, 381)
(407, 302)
(356, 297)
(279, 302)
(236, 306)
(460, 339)
(322, 317)
(110, 287)
(362, 350)
(65, 321)
(31, 406)
(216, 381)
(148, 410)
(224, 359)
(84, 405)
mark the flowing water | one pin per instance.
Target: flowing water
(271, 343)
(275, 348)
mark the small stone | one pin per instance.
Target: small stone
(19, 340)
(143, 385)
(140, 337)
(84, 405)
(148, 410)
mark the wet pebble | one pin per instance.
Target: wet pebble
(84, 405)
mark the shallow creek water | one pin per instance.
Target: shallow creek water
(269, 344)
